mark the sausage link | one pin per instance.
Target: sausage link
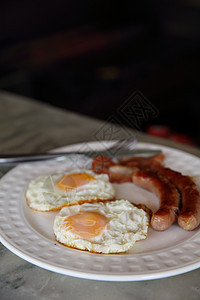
(189, 217)
(167, 193)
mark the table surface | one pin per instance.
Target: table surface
(27, 125)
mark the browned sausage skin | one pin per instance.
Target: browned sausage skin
(189, 217)
(167, 193)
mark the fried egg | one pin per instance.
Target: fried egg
(52, 192)
(101, 227)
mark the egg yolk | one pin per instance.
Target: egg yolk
(85, 224)
(72, 181)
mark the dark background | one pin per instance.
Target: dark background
(89, 56)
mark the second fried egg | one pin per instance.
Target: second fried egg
(102, 227)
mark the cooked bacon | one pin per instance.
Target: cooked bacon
(122, 171)
(142, 162)
(120, 174)
(116, 172)
(101, 164)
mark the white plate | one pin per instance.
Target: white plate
(29, 234)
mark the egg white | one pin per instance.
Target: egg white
(43, 194)
(126, 225)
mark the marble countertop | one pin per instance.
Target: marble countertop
(26, 125)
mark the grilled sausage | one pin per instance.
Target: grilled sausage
(167, 193)
(189, 217)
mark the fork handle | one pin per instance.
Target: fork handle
(21, 158)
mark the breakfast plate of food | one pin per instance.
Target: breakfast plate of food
(124, 219)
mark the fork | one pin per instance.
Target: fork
(121, 147)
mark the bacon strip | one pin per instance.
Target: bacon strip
(120, 174)
(101, 164)
(117, 173)
(142, 162)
